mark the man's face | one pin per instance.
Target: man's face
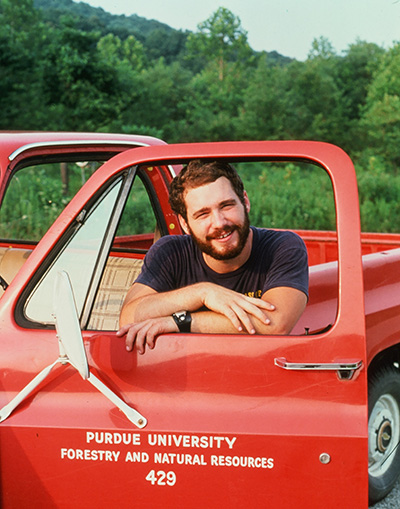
(217, 220)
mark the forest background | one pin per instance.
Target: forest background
(67, 66)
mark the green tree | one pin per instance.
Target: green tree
(321, 48)
(21, 64)
(314, 107)
(129, 52)
(81, 88)
(220, 39)
(381, 116)
(355, 71)
(263, 113)
(215, 96)
(153, 101)
(167, 44)
(300, 100)
(379, 191)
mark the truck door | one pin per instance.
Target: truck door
(271, 421)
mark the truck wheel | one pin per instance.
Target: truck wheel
(383, 432)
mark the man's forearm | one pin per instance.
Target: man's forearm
(212, 322)
(143, 303)
(162, 304)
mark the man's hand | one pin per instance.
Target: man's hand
(238, 308)
(144, 333)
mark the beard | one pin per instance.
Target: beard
(207, 248)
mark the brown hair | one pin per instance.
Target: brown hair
(198, 173)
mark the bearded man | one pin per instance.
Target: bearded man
(223, 276)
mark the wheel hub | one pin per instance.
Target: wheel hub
(384, 436)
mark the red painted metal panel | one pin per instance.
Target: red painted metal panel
(217, 399)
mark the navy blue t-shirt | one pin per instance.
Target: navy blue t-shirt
(278, 258)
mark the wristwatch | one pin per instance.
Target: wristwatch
(183, 320)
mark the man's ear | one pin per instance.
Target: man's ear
(246, 202)
(184, 225)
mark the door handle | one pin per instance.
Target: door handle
(345, 370)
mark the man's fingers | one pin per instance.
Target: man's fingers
(239, 312)
(124, 329)
(257, 312)
(244, 318)
(135, 335)
(130, 338)
(255, 307)
(260, 303)
(144, 334)
(269, 306)
(231, 314)
(140, 341)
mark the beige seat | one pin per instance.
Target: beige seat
(118, 277)
(11, 260)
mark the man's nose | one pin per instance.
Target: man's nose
(218, 219)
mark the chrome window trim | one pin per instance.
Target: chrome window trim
(67, 143)
(106, 245)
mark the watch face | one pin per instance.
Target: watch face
(183, 320)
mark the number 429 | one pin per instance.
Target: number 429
(161, 478)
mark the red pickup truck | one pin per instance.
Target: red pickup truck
(203, 420)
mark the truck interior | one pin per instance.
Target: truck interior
(283, 195)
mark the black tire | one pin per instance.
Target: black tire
(383, 432)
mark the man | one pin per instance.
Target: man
(224, 276)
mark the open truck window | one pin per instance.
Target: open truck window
(37, 194)
(287, 195)
(283, 195)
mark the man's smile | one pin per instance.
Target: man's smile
(221, 235)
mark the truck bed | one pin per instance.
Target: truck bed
(381, 267)
(322, 245)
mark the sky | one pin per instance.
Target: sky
(286, 26)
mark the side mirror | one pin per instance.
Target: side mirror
(72, 351)
(68, 329)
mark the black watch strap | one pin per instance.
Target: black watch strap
(183, 320)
